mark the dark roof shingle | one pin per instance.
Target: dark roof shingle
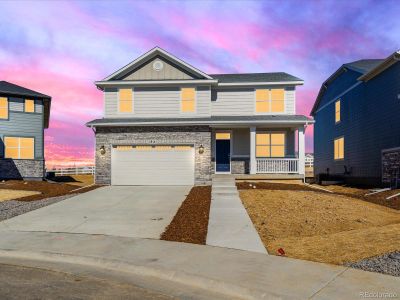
(364, 65)
(13, 89)
(255, 77)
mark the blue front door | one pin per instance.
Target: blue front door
(223, 155)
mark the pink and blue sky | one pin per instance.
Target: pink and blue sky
(60, 48)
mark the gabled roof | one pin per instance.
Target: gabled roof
(256, 77)
(13, 89)
(151, 54)
(10, 89)
(361, 66)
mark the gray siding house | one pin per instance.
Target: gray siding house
(357, 123)
(168, 123)
(24, 114)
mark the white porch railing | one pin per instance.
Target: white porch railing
(74, 170)
(277, 165)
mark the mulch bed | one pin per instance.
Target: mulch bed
(190, 223)
(46, 189)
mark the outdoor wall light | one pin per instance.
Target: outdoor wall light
(201, 149)
(102, 150)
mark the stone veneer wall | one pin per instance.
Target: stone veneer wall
(390, 165)
(197, 135)
(21, 168)
(238, 165)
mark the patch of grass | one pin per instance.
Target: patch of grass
(320, 226)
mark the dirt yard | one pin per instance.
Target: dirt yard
(78, 180)
(41, 189)
(320, 226)
(13, 194)
(190, 223)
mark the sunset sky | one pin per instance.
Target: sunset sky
(61, 48)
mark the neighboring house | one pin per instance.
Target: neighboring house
(357, 122)
(24, 114)
(168, 123)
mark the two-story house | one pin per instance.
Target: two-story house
(24, 114)
(357, 129)
(168, 123)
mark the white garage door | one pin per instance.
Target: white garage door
(152, 165)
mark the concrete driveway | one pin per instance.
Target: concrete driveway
(130, 211)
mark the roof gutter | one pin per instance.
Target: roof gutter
(156, 82)
(180, 123)
(299, 82)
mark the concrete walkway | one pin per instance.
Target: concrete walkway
(229, 272)
(229, 225)
(132, 211)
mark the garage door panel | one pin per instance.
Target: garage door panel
(152, 167)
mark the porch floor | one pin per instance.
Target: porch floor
(261, 176)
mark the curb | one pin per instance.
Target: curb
(179, 277)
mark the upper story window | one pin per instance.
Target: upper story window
(19, 147)
(188, 100)
(29, 106)
(270, 100)
(125, 101)
(3, 108)
(339, 148)
(337, 111)
(270, 145)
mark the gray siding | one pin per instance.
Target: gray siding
(157, 102)
(241, 141)
(241, 101)
(369, 123)
(168, 71)
(22, 124)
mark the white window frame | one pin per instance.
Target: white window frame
(270, 101)
(133, 102)
(195, 100)
(284, 146)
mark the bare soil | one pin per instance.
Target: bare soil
(190, 223)
(6, 195)
(320, 226)
(45, 189)
(78, 180)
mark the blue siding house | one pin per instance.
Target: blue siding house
(357, 123)
(24, 114)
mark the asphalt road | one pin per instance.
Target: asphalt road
(18, 282)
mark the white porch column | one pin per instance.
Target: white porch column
(253, 162)
(302, 150)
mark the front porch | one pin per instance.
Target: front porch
(262, 152)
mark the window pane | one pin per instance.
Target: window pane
(262, 95)
(277, 138)
(125, 94)
(262, 151)
(11, 142)
(3, 102)
(277, 106)
(124, 148)
(3, 112)
(125, 106)
(29, 105)
(277, 94)
(277, 151)
(337, 111)
(144, 148)
(262, 138)
(26, 142)
(163, 148)
(262, 106)
(187, 106)
(341, 148)
(223, 136)
(27, 153)
(182, 148)
(11, 153)
(188, 93)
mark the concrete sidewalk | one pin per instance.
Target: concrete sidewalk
(233, 273)
(229, 224)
